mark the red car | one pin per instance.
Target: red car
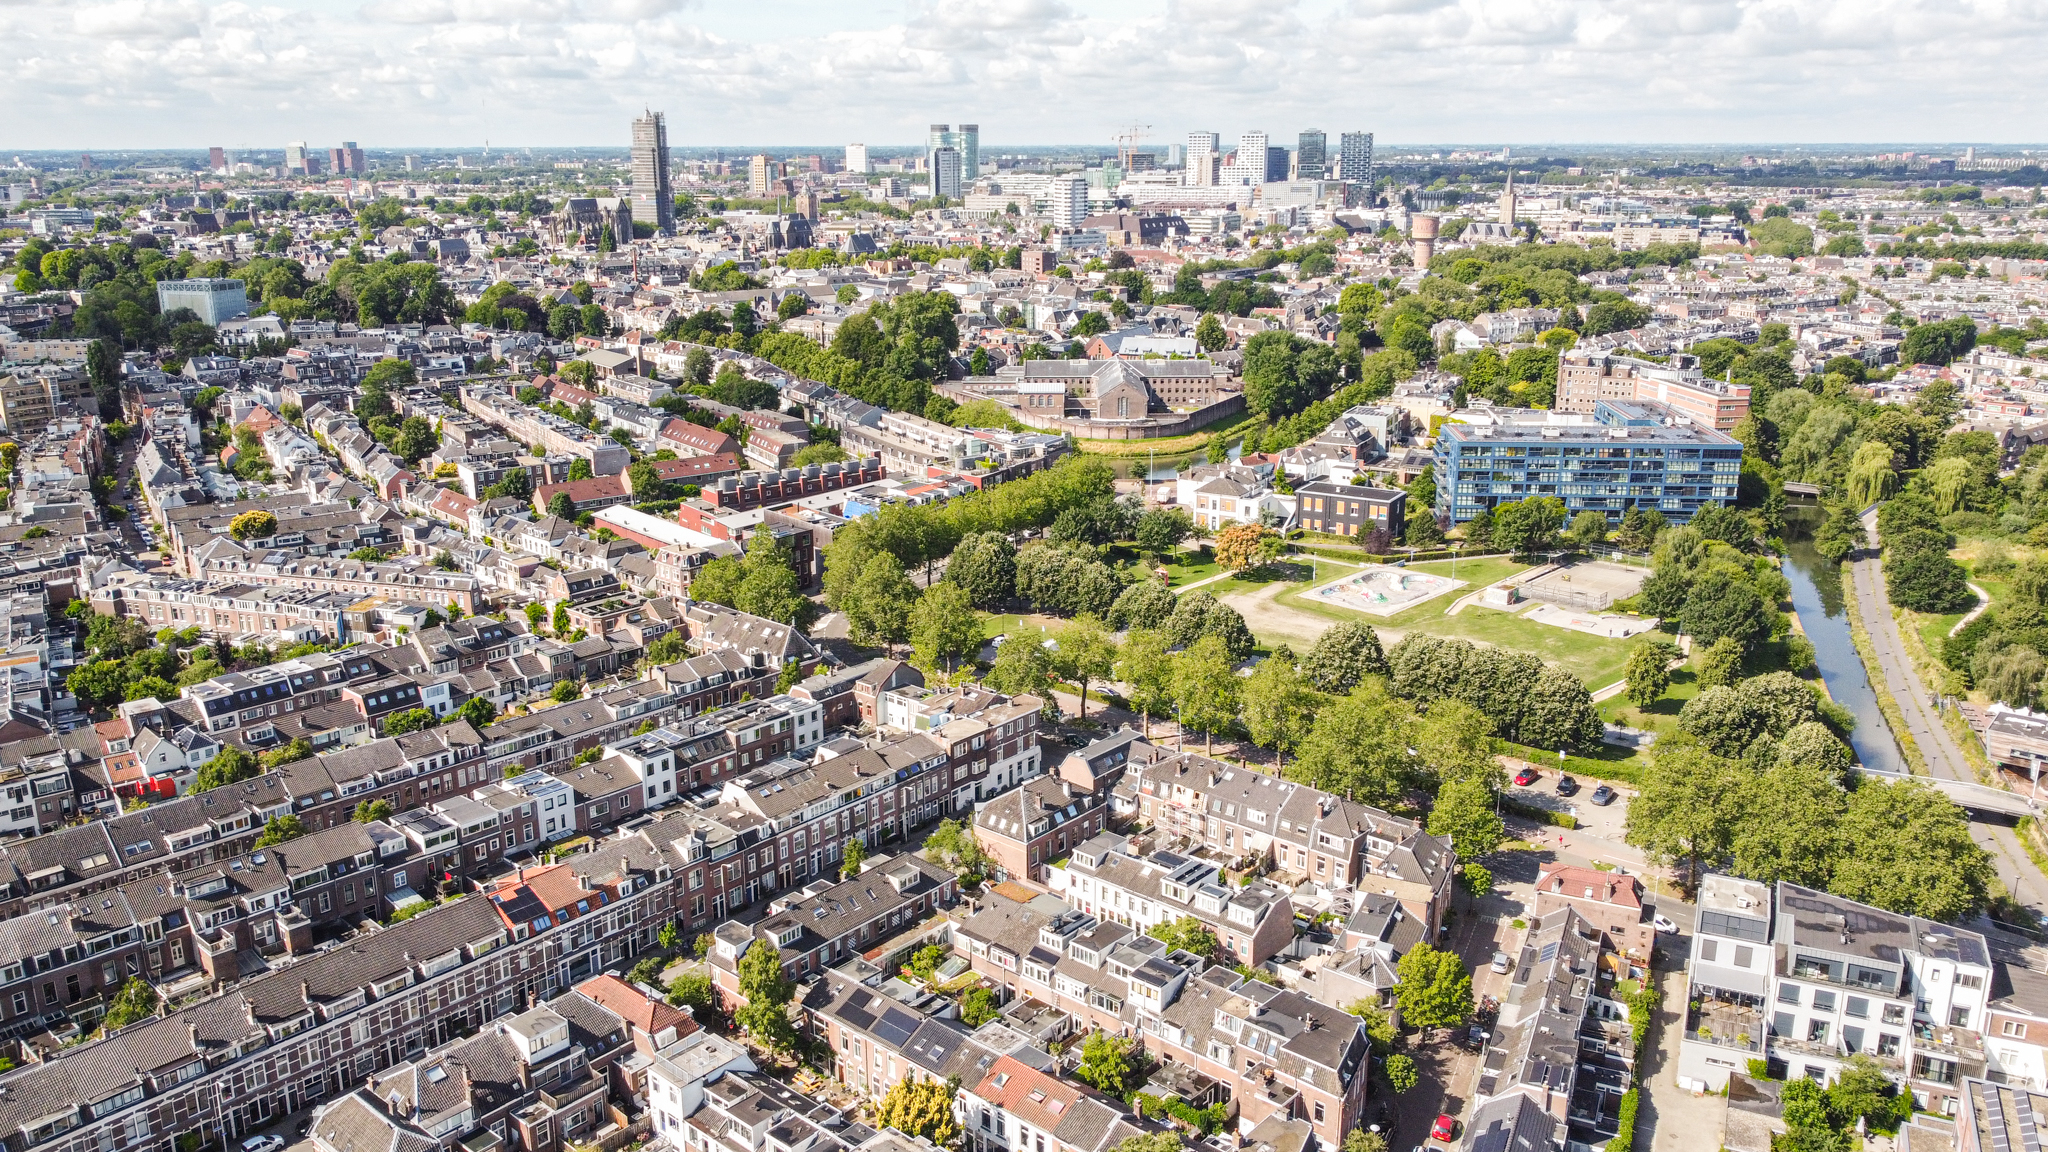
(1526, 777)
(1444, 1129)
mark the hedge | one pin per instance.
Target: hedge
(1625, 1134)
(1564, 820)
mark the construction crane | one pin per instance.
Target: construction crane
(1127, 144)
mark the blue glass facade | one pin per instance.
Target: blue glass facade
(1629, 453)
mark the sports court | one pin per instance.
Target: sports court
(1381, 590)
(1588, 586)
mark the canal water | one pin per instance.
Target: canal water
(1817, 597)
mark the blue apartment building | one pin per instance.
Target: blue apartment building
(1628, 452)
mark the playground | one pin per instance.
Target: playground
(1380, 590)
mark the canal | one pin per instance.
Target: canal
(1817, 597)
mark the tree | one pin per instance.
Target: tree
(768, 586)
(1910, 851)
(977, 1006)
(279, 829)
(878, 613)
(1682, 810)
(1720, 663)
(1722, 720)
(368, 810)
(1588, 528)
(1529, 525)
(1146, 604)
(1205, 689)
(1649, 669)
(1358, 747)
(924, 1108)
(1243, 547)
(409, 720)
(1278, 705)
(253, 525)
(952, 845)
(1433, 989)
(1455, 741)
(1559, 713)
(230, 765)
(944, 627)
(565, 690)
(1023, 668)
(478, 711)
(1812, 744)
(1186, 934)
(1360, 1140)
(1401, 1075)
(1343, 655)
(767, 992)
(1464, 812)
(1209, 333)
(849, 860)
(1161, 530)
(1717, 608)
(695, 992)
(984, 565)
(1146, 668)
(1083, 652)
(136, 1000)
(1108, 1063)
(1926, 581)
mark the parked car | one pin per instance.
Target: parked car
(1526, 777)
(1663, 923)
(1566, 786)
(265, 1143)
(1445, 1128)
(1603, 795)
(1501, 962)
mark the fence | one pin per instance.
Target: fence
(1567, 597)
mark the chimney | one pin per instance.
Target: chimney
(193, 1030)
(306, 992)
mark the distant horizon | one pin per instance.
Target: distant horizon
(1534, 150)
(1706, 74)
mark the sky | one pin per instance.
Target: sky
(126, 74)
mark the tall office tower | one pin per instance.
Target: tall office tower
(295, 156)
(1276, 164)
(760, 170)
(967, 141)
(216, 158)
(1310, 156)
(857, 159)
(1250, 165)
(1175, 153)
(1069, 201)
(1203, 156)
(654, 201)
(946, 173)
(1354, 161)
(412, 163)
(351, 159)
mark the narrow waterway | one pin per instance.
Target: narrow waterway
(1817, 597)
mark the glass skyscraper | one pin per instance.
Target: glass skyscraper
(1311, 157)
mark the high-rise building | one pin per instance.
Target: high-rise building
(760, 171)
(857, 159)
(295, 156)
(216, 158)
(966, 141)
(946, 173)
(1354, 159)
(1069, 201)
(412, 163)
(347, 159)
(1203, 157)
(1311, 157)
(1250, 165)
(1276, 165)
(654, 201)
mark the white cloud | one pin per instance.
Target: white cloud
(139, 73)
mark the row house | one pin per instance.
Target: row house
(1560, 1057)
(838, 922)
(229, 610)
(1251, 923)
(715, 679)
(851, 695)
(1277, 1052)
(281, 1040)
(1301, 832)
(1017, 1108)
(537, 1081)
(1101, 974)
(992, 741)
(1806, 980)
(405, 772)
(879, 1040)
(410, 583)
(282, 896)
(1612, 901)
(1028, 828)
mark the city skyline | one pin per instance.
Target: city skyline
(123, 74)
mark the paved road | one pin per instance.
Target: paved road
(1924, 727)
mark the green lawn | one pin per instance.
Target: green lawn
(1188, 567)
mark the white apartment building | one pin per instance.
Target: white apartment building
(1807, 980)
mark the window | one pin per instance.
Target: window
(1788, 993)
(1817, 1032)
(1959, 1016)
(1858, 1007)
(1319, 1112)
(1887, 1045)
(2012, 1028)
(1708, 949)
(1823, 1000)
(1743, 955)
(1852, 1039)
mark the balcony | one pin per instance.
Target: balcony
(1726, 1025)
